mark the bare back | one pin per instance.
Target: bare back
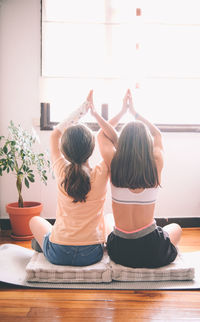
(133, 209)
(132, 217)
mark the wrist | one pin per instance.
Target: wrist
(121, 113)
(95, 114)
(73, 118)
(136, 115)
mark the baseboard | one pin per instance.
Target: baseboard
(184, 222)
(5, 223)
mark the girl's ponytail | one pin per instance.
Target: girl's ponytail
(76, 182)
(77, 145)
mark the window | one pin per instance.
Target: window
(149, 46)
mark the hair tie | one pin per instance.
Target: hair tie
(77, 167)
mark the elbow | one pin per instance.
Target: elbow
(55, 135)
(158, 134)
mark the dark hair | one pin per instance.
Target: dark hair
(133, 165)
(77, 145)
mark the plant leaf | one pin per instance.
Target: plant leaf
(26, 182)
(31, 179)
(5, 149)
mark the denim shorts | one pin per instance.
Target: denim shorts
(72, 255)
(149, 248)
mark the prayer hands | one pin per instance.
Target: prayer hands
(128, 103)
(90, 103)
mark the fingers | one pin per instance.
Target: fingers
(129, 93)
(130, 96)
(90, 96)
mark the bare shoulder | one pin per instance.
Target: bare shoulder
(159, 159)
(106, 148)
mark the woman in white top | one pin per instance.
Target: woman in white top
(136, 161)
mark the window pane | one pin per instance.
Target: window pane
(171, 51)
(74, 10)
(170, 101)
(121, 11)
(123, 56)
(73, 50)
(170, 11)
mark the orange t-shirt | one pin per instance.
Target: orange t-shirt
(80, 223)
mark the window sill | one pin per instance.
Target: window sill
(47, 125)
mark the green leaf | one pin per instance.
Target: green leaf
(10, 163)
(31, 179)
(3, 161)
(5, 149)
(26, 183)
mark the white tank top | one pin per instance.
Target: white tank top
(126, 196)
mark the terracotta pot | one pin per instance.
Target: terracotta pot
(19, 218)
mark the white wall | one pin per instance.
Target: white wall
(19, 101)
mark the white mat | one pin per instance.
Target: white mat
(14, 260)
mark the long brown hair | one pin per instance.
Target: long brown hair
(133, 165)
(77, 145)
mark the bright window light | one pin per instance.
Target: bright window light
(107, 47)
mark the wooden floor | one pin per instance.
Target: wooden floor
(17, 304)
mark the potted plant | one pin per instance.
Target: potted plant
(17, 156)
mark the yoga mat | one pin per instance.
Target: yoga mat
(14, 258)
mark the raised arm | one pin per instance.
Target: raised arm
(107, 136)
(155, 132)
(106, 128)
(61, 127)
(115, 120)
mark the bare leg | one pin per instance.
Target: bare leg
(174, 231)
(39, 227)
(109, 222)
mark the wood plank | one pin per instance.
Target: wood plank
(13, 311)
(118, 314)
(51, 295)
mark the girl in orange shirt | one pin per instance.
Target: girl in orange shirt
(78, 235)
